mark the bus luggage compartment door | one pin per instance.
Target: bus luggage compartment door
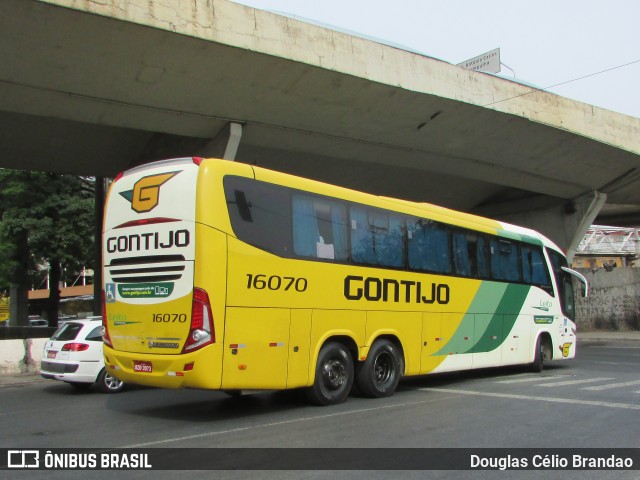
(256, 348)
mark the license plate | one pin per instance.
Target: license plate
(143, 367)
(51, 354)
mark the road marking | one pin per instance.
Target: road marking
(283, 422)
(574, 382)
(571, 401)
(618, 363)
(536, 378)
(613, 385)
(605, 346)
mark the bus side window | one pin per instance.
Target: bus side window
(305, 226)
(319, 228)
(539, 272)
(429, 247)
(557, 262)
(527, 264)
(534, 268)
(568, 299)
(332, 224)
(259, 213)
(504, 261)
(482, 255)
(377, 237)
(388, 238)
(464, 256)
(361, 236)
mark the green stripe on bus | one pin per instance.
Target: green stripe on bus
(488, 330)
(503, 319)
(520, 237)
(487, 299)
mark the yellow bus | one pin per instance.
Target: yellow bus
(222, 275)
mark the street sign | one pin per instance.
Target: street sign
(487, 62)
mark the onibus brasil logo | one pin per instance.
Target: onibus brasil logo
(146, 192)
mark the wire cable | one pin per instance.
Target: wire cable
(544, 89)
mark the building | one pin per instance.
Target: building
(608, 248)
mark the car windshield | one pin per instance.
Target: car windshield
(68, 331)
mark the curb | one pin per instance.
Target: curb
(627, 337)
(610, 340)
(20, 380)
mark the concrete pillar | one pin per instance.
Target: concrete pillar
(225, 145)
(564, 223)
(587, 209)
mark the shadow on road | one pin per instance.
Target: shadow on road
(209, 405)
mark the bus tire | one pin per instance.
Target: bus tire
(333, 377)
(379, 374)
(542, 351)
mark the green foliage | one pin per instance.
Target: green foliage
(53, 212)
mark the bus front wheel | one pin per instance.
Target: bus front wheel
(543, 353)
(334, 375)
(380, 373)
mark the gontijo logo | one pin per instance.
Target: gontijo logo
(146, 192)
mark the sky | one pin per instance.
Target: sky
(587, 50)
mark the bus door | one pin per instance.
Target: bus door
(563, 276)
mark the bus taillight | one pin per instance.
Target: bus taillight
(201, 332)
(118, 177)
(106, 339)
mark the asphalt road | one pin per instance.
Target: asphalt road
(592, 401)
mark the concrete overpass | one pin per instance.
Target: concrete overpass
(94, 87)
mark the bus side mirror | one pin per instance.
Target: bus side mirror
(584, 291)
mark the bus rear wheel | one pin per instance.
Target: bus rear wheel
(334, 375)
(380, 373)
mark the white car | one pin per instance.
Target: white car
(38, 322)
(74, 355)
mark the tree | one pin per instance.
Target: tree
(46, 219)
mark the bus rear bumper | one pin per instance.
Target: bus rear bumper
(200, 369)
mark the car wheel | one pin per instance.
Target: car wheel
(107, 383)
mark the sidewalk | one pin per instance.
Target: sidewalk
(606, 336)
(20, 379)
